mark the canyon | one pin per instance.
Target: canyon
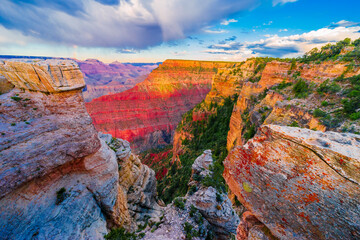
(148, 114)
(262, 149)
(105, 79)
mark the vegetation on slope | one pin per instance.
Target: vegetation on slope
(158, 159)
(207, 134)
(333, 52)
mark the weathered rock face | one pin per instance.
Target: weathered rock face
(137, 182)
(58, 179)
(43, 75)
(148, 114)
(261, 106)
(301, 184)
(228, 81)
(208, 211)
(104, 79)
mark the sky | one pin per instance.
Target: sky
(156, 30)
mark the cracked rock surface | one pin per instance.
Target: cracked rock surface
(300, 183)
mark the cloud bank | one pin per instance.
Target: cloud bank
(286, 46)
(115, 23)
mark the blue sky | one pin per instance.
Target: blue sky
(155, 30)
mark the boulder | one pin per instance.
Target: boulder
(301, 184)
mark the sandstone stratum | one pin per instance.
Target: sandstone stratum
(148, 114)
(104, 79)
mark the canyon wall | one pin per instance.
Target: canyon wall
(104, 79)
(148, 114)
(291, 167)
(59, 179)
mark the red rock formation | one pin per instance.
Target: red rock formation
(148, 114)
(301, 184)
(103, 79)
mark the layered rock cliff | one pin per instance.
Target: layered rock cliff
(301, 184)
(322, 96)
(148, 114)
(104, 79)
(59, 179)
(204, 213)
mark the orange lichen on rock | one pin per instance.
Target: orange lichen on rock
(301, 178)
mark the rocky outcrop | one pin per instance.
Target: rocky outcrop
(301, 184)
(258, 104)
(58, 179)
(203, 212)
(104, 79)
(228, 81)
(148, 114)
(47, 76)
(137, 182)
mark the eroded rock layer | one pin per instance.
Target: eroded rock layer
(58, 178)
(104, 79)
(148, 114)
(301, 184)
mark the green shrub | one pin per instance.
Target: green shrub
(61, 195)
(294, 124)
(354, 116)
(325, 87)
(250, 132)
(324, 103)
(293, 64)
(192, 189)
(301, 89)
(179, 203)
(282, 85)
(318, 113)
(15, 98)
(120, 234)
(189, 232)
(254, 79)
(193, 210)
(219, 197)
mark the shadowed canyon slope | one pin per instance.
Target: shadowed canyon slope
(103, 79)
(148, 114)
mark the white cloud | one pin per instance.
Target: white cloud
(128, 24)
(344, 23)
(283, 30)
(276, 2)
(288, 46)
(215, 31)
(227, 22)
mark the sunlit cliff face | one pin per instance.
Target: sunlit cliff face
(148, 114)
